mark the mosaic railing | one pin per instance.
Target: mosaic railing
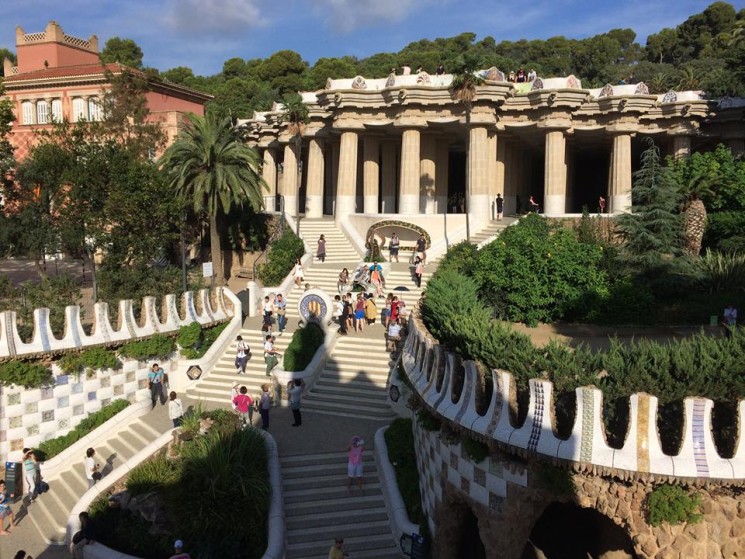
(447, 385)
(75, 336)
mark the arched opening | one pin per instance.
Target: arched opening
(568, 531)
(470, 542)
(458, 535)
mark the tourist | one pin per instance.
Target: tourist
(418, 271)
(393, 247)
(499, 207)
(393, 71)
(440, 69)
(92, 469)
(350, 311)
(338, 309)
(419, 69)
(532, 75)
(178, 547)
(241, 355)
(385, 314)
(85, 536)
(354, 463)
(343, 281)
(359, 314)
(294, 395)
(298, 273)
(175, 410)
(533, 204)
(5, 510)
(268, 311)
(280, 308)
(405, 70)
(31, 473)
(271, 355)
(512, 78)
(321, 250)
(376, 278)
(393, 335)
(421, 246)
(337, 550)
(730, 319)
(344, 316)
(521, 77)
(395, 306)
(156, 379)
(244, 406)
(371, 309)
(265, 404)
(601, 205)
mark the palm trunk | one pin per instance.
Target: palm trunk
(216, 252)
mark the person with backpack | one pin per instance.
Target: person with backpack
(241, 356)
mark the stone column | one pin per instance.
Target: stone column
(428, 174)
(477, 190)
(499, 179)
(333, 176)
(620, 175)
(269, 171)
(681, 146)
(289, 186)
(408, 198)
(555, 174)
(316, 171)
(388, 172)
(441, 179)
(346, 185)
(492, 191)
(371, 174)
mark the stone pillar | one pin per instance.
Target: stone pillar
(388, 177)
(269, 171)
(428, 175)
(371, 174)
(620, 175)
(555, 174)
(492, 144)
(333, 177)
(477, 189)
(289, 186)
(346, 185)
(499, 179)
(408, 198)
(316, 171)
(681, 146)
(441, 179)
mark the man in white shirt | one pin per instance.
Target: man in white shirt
(394, 335)
(271, 356)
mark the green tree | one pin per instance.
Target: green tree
(179, 74)
(10, 55)
(212, 169)
(123, 51)
(333, 68)
(283, 71)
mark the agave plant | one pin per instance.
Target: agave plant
(721, 271)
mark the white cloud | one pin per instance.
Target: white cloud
(213, 16)
(344, 16)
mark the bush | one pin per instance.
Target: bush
(26, 374)
(281, 259)
(399, 438)
(89, 360)
(52, 447)
(427, 421)
(158, 346)
(674, 505)
(152, 474)
(305, 341)
(722, 228)
(208, 337)
(190, 336)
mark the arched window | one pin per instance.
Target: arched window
(95, 111)
(79, 111)
(42, 112)
(29, 112)
(57, 110)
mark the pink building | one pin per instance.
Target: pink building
(61, 77)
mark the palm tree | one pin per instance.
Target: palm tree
(210, 165)
(696, 184)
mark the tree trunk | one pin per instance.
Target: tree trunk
(695, 219)
(90, 260)
(215, 252)
(40, 269)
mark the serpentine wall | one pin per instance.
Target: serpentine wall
(31, 416)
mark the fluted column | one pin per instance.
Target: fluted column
(371, 174)
(477, 192)
(316, 169)
(681, 146)
(555, 174)
(388, 177)
(346, 186)
(269, 171)
(620, 174)
(408, 198)
(289, 186)
(441, 178)
(428, 174)
(491, 176)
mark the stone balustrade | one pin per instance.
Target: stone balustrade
(438, 375)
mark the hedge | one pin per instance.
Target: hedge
(305, 341)
(399, 438)
(26, 374)
(281, 258)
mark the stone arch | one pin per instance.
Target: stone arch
(407, 232)
(458, 531)
(568, 531)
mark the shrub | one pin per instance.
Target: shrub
(721, 271)
(305, 341)
(399, 438)
(477, 451)
(52, 447)
(89, 360)
(152, 474)
(428, 421)
(190, 336)
(208, 337)
(26, 374)
(674, 505)
(159, 346)
(555, 480)
(722, 228)
(281, 258)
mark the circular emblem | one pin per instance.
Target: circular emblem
(313, 307)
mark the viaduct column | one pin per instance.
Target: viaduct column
(620, 174)
(269, 170)
(681, 146)
(371, 174)
(555, 174)
(477, 191)
(316, 168)
(388, 173)
(289, 186)
(346, 186)
(408, 198)
(428, 174)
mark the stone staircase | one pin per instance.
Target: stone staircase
(318, 508)
(494, 228)
(50, 511)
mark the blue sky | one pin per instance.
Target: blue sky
(202, 34)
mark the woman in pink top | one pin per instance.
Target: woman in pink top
(354, 466)
(244, 406)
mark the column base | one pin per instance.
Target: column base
(479, 210)
(370, 203)
(408, 204)
(429, 205)
(620, 203)
(441, 204)
(314, 207)
(554, 204)
(345, 205)
(389, 205)
(291, 205)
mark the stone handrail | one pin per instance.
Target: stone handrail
(428, 364)
(103, 333)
